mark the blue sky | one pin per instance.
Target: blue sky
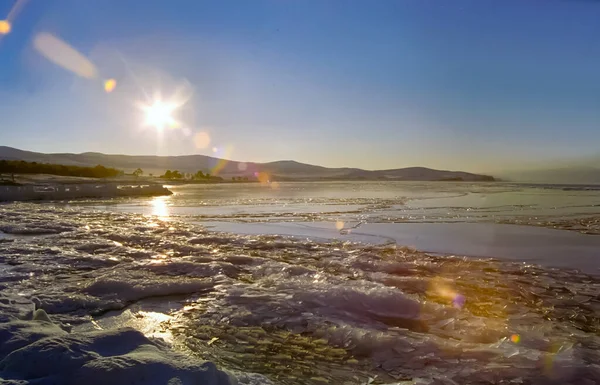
(463, 84)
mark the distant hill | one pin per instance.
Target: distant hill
(280, 170)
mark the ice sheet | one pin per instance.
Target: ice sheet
(548, 247)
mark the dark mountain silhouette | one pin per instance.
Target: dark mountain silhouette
(280, 170)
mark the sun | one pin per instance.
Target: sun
(159, 115)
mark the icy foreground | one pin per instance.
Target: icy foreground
(40, 352)
(74, 191)
(294, 311)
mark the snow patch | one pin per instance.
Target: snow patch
(39, 352)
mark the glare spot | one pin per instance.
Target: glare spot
(160, 208)
(214, 149)
(242, 166)
(149, 323)
(161, 113)
(202, 140)
(5, 27)
(339, 225)
(515, 338)
(110, 85)
(158, 114)
(160, 317)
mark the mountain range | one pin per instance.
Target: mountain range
(279, 170)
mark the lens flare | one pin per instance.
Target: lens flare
(110, 85)
(515, 338)
(7, 23)
(459, 301)
(263, 177)
(221, 163)
(202, 140)
(62, 54)
(339, 225)
(5, 27)
(548, 360)
(443, 289)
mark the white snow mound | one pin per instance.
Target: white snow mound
(40, 352)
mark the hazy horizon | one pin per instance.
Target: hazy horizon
(553, 172)
(457, 86)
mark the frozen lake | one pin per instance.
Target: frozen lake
(548, 247)
(313, 280)
(473, 219)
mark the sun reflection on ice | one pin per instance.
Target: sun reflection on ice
(160, 208)
(152, 324)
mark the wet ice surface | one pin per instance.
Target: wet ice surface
(548, 247)
(565, 207)
(301, 311)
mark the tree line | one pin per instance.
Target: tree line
(23, 167)
(199, 175)
(99, 171)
